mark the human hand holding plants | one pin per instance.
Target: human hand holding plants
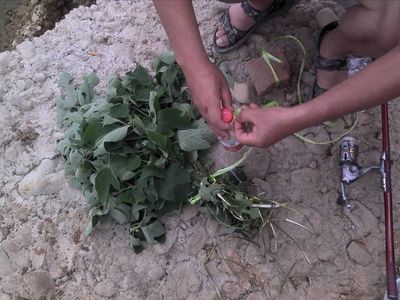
(210, 92)
(262, 127)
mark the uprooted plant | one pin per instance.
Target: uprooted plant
(135, 153)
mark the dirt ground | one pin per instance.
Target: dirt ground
(43, 251)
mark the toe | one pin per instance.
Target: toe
(220, 33)
(223, 41)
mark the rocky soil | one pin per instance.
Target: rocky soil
(43, 251)
(21, 19)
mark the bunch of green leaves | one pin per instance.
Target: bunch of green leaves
(132, 152)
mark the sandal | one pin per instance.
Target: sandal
(238, 37)
(322, 63)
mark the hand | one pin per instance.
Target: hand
(210, 92)
(262, 127)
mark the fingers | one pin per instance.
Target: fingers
(242, 135)
(247, 113)
(226, 96)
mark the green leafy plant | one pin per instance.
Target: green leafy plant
(134, 153)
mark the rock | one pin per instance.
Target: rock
(39, 284)
(257, 164)
(6, 266)
(363, 220)
(242, 92)
(5, 59)
(326, 253)
(261, 75)
(99, 38)
(4, 296)
(254, 255)
(157, 273)
(359, 254)
(231, 289)
(263, 185)
(197, 240)
(39, 77)
(189, 212)
(326, 16)
(256, 296)
(27, 49)
(105, 289)
(244, 52)
(258, 40)
(42, 180)
(5, 117)
(308, 78)
(129, 33)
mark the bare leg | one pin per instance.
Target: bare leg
(368, 29)
(240, 20)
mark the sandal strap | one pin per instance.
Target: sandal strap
(231, 32)
(324, 63)
(250, 10)
(258, 15)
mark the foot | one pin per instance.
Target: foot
(239, 20)
(328, 79)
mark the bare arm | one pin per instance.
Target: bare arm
(376, 84)
(206, 83)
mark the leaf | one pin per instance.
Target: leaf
(113, 136)
(118, 215)
(86, 90)
(153, 232)
(167, 58)
(169, 75)
(119, 110)
(198, 138)
(175, 186)
(160, 140)
(71, 94)
(103, 181)
(171, 118)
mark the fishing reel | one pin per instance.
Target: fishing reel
(351, 171)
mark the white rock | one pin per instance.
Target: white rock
(359, 254)
(40, 77)
(5, 118)
(5, 59)
(129, 33)
(242, 92)
(4, 296)
(326, 16)
(105, 289)
(27, 49)
(99, 38)
(39, 284)
(42, 180)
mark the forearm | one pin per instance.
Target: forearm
(378, 83)
(180, 24)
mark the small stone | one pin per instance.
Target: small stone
(326, 253)
(256, 296)
(39, 284)
(258, 40)
(359, 254)
(242, 92)
(5, 117)
(42, 180)
(244, 52)
(326, 16)
(40, 77)
(308, 78)
(5, 59)
(253, 255)
(27, 49)
(189, 212)
(157, 273)
(129, 33)
(35, 18)
(105, 289)
(262, 77)
(99, 38)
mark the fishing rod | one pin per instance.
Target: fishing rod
(352, 171)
